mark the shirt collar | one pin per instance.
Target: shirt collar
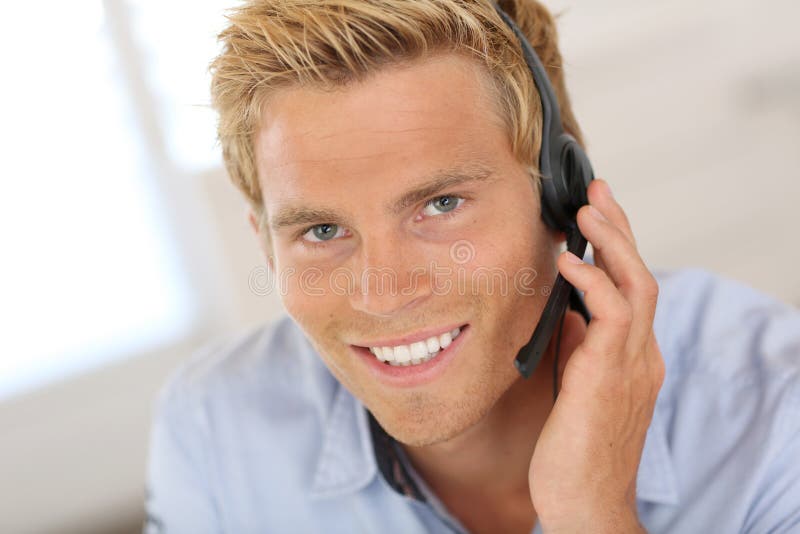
(354, 448)
(346, 462)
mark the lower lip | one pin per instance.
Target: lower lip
(412, 375)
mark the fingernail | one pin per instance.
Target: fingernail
(572, 258)
(597, 215)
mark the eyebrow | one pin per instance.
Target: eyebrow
(290, 216)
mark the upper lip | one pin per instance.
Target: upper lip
(420, 335)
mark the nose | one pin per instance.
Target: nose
(391, 276)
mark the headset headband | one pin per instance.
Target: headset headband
(551, 116)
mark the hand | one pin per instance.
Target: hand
(582, 475)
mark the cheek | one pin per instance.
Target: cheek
(512, 264)
(304, 297)
(516, 242)
(515, 234)
(317, 299)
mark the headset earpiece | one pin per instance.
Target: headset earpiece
(577, 172)
(564, 192)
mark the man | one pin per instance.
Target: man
(394, 142)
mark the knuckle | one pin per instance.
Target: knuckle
(650, 288)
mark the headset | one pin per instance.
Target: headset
(566, 173)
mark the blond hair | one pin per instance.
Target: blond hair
(274, 44)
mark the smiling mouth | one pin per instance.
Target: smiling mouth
(417, 352)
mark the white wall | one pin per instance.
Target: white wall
(692, 112)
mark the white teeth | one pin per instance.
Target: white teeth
(445, 340)
(402, 353)
(433, 345)
(416, 353)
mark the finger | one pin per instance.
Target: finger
(598, 259)
(566, 339)
(596, 254)
(574, 333)
(600, 196)
(624, 266)
(608, 330)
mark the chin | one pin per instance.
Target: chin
(425, 421)
(425, 435)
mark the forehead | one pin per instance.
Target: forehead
(379, 135)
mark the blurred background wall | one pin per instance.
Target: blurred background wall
(125, 249)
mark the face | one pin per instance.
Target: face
(345, 179)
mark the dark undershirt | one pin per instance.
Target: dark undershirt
(389, 463)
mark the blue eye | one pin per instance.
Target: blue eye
(322, 232)
(441, 207)
(443, 204)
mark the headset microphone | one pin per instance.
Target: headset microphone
(566, 173)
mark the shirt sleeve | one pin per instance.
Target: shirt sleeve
(179, 498)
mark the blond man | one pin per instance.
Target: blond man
(388, 150)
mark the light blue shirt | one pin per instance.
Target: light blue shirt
(255, 435)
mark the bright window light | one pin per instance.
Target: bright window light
(177, 40)
(89, 272)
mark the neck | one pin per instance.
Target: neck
(491, 459)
